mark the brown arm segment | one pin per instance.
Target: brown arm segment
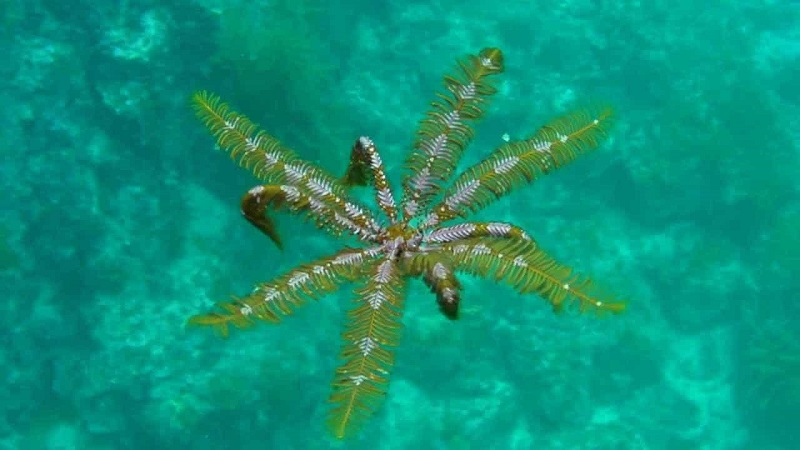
(254, 209)
(442, 281)
(269, 160)
(325, 216)
(366, 167)
(436, 270)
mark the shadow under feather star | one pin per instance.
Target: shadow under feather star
(412, 238)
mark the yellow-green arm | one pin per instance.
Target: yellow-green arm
(448, 128)
(527, 268)
(273, 300)
(371, 334)
(515, 163)
(269, 160)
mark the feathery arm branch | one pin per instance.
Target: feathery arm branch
(269, 160)
(527, 268)
(447, 129)
(470, 230)
(513, 164)
(372, 331)
(259, 199)
(273, 300)
(437, 272)
(366, 167)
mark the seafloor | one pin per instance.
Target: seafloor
(120, 220)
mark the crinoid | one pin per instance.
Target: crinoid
(425, 235)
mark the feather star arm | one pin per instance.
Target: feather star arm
(554, 145)
(366, 168)
(372, 332)
(436, 269)
(469, 230)
(527, 268)
(258, 200)
(273, 300)
(447, 129)
(268, 159)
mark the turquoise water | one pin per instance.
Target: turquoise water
(120, 221)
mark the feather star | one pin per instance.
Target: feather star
(425, 235)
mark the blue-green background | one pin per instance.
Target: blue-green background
(120, 220)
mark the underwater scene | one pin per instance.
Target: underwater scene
(427, 225)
